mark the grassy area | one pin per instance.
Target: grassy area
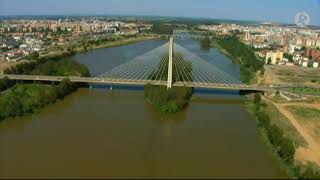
(304, 90)
(285, 75)
(309, 117)
(280, 120)
(306, 113)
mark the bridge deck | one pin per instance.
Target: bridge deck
(140, 82)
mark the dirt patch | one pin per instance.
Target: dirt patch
(5, 64)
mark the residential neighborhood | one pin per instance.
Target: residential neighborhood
(19, 38)
(277, 44)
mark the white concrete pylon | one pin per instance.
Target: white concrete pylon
(169, 83)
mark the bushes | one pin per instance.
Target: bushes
(310, 172)
(62, 67)
(5, 83)
(28, 98)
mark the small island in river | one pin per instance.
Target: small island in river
(174, 99)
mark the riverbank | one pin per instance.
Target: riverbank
(23, 99)
(275, 127)
(19, 98)
(241, 54)
(284, 139)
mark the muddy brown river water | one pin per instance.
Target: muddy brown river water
(99, 133)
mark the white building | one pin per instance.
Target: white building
(304, 64)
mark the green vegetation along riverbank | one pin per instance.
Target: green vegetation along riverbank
(278, 141)
(174, 99)
(24, 99)
(18, 98)
(242, 54)
(304, 90)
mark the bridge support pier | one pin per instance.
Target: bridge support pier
(169, 83)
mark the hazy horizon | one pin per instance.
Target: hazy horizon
(245, 10)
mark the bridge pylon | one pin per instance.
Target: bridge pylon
(169, 82)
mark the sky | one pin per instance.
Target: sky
(257, 10)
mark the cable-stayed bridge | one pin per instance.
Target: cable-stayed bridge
(168, 65)
(173, 64)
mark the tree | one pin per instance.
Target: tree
(269, 60)
(288, 56)
(275, 135)
(264, 120)
(33, 55)
(287, 150)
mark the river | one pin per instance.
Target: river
(99, 133)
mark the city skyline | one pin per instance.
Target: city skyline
(246, 10)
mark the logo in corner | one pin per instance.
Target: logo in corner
(302, 19)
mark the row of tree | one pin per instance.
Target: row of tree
(244, 55)
(24, 99)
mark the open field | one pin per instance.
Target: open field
(308, 117)
(287, 75)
